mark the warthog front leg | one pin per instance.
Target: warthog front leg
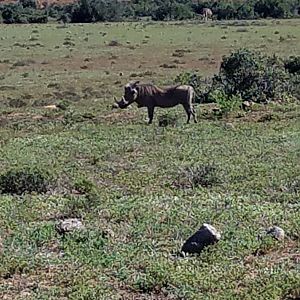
(150, 114)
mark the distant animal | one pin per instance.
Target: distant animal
(151, 96)
(207, 13)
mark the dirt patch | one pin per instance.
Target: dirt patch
(118, 117)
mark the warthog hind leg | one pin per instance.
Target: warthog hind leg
(189, 111)
(194, 115)
(150, 114)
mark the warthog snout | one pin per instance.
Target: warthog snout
(120, 104)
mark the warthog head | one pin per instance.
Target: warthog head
(129, 97)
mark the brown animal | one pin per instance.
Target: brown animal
(151, 96)
(207, 13)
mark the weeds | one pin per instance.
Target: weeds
(206, 175)
(25, 180)
(167, 120)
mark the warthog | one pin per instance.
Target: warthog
(151, 96)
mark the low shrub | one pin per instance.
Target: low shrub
(247, 75)
(226, 103)
(292, 64)
(253, 76)
(204, 175)
(167, 120)
(25, 180)
(16, 13)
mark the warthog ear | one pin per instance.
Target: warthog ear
(135, 83)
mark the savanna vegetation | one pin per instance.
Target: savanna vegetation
(86, 11)
(140, 191)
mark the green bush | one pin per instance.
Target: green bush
(252, 76)
(246, 75)
(16, 13)
(26, 180)
(225, 102)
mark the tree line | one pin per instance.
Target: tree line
(86, 11)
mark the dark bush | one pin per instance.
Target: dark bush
(87, 11)
(292, 64)
(274, 8)
(28, 3)
(225, 11)
(16, 13)
(21, 181)
(11, 13)
(167, 120)
(36, 16)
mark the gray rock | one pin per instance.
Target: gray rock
(205, 236)
(276, 232)
(246, 105)
(69, 225)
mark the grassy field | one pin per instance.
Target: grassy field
(126, 181)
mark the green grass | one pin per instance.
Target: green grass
(122, 178)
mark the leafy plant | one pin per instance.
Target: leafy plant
(204, 175)
(24, 180)
(292, 64)
(225, 102)
(167, 120)
(252, 76)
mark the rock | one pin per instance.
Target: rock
(276, 232)
(51, 106)
(229, 126)
(206, 235)
(246, 105)
(69, 225)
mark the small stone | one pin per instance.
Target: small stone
(205, 236)
(276, 232)
(246, 105)
(69, 225)
(229, 126)
(51, 106)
